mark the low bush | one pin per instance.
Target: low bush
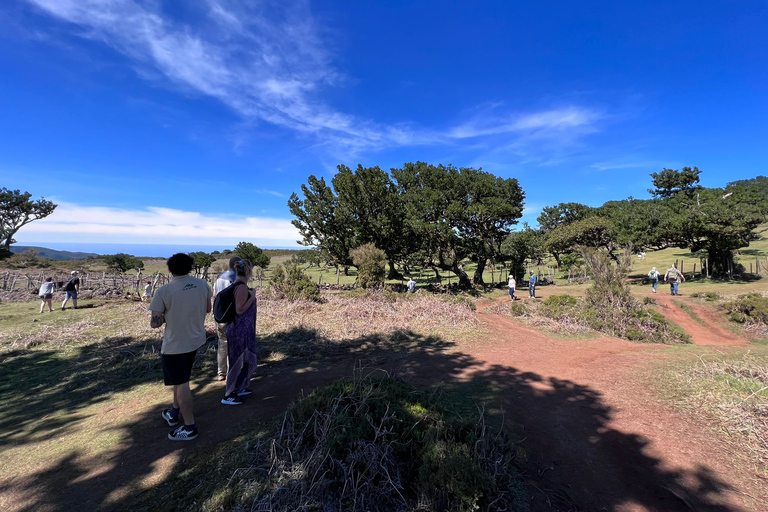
(371, 263)
(289, 282)
(608, 307)
(377, 444)
(748, 309)
(708, 296)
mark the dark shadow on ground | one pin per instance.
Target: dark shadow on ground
(576, 461)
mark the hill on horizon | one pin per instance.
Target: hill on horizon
(53, 254)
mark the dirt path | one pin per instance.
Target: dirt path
(707, 331)
(605, 442)
(597, 438)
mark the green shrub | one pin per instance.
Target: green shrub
(708, 296)
(371, 264)
(560, 301)
(517, 309)
(649, 301)
(392, 443)
(748, 309)
(289, 282)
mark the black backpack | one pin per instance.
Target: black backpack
(69, 286)
(224, 311)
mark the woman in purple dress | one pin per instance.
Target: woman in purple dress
(241, 336)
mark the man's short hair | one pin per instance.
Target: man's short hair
(232, 261)
(180, 264)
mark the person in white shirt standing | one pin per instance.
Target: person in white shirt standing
(222, 353)
(181, 305)
(512, 284)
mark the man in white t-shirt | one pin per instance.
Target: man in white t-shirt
(225, 279)
(181, 305)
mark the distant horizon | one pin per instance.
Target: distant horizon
(138, 250)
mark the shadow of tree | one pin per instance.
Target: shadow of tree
(576, 460)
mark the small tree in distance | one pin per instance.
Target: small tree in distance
(250, 252)
(122, 262)
(203, 261)
(371, 265)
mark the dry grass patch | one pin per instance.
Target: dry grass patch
(357, 321)
(730, 392)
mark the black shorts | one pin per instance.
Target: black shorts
(177, 368)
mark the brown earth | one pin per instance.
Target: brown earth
(596, 437)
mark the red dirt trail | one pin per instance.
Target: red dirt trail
(709, 332)
(597, 439)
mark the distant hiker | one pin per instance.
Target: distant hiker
(532, 280)
(653, 275)
(46, 293)
(512, 284)
(674, 277)
(147, 291)
(411, 285)
(241, 338)
(181, 305)
(225, 279)
(71, 287)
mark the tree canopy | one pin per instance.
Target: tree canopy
(435, 216)
(17, 209)
(122, 262)
(248, 251)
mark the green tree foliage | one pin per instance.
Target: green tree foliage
(670, 182)
(595, 232)
(309, 257)
(289, 282)
(369, 199)
(520, 246)
(248, 251)
(433, 215)
(203, 261)
(122, 262)
(17, 209)
(371, 264)
(322, 223)
(458, 213)
(562, 214)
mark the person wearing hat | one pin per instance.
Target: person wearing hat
(532, 280)
(71, 287)
(653, 275)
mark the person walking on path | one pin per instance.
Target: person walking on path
(512, 284)
(674, 277)
(411, 285)
(71, 287)
(181, 305)
(46, 293)
(241, 338)
(225, 279)
(532, 279)
(653, 275)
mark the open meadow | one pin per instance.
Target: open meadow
(81, 396)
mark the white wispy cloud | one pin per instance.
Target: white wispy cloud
(158, 225)
(268, 62)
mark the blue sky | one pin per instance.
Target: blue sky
(193, 122)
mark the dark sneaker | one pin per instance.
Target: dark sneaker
(232, 399)
(172, 420)
(182, 434)
(245, 392)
